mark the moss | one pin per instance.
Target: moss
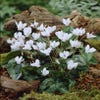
(78, 95)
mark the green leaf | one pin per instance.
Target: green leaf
(46, 84)
(5, 57)
(89, 56)
(68, 29)
(93, 61)
(14, 70)
(71, 84)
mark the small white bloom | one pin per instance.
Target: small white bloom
(47, 32)
(64, 54)
(46, 51)
(35, 47)
(36, 36)
(78, 31)
(17, 45)
(45, 72)
(18, 35)
(30, 42)
(41, 27)
(27, 31)
(89, 50)
(20, 25)
(63, 36)
(75, 43)
(41, 45)
(88, 35)
(36, 63)
(19, 60)
(50, 29)
(34, 24)
(54, 44)
(71, 64)
(27, 47)
(11, 41)
(66, 22)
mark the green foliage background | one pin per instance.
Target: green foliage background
(89, 8)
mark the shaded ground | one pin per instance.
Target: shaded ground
(86, 82)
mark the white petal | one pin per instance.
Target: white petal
(19, 60)
(45, 72)
(66, 22)
(90, 35)
(36, 63)
(27, 31)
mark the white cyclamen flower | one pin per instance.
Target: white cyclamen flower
(20, 25)
(89, 50)
(35, 47)
(75, 43)
(47, 32)
(88, 35)
(18, 35)
(17, 45)
(45, 72)
(41, 45)
(54, 44)
(11, 41)
(41, 27)
(63, 36)
(36, 36)
(19, 60)
(78, 31)
(71, 64)
(64, 54)
(34, 24)
(30, 42)
(28, 45)
(46, 51)
(66, 22)
(36, 63)
(27, 31)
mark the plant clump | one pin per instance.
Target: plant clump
(56, 58)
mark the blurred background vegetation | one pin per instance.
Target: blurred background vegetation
(8, 8)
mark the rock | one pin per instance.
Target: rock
(42, 15)
(18, 85)
(37, 13)
(90, 24)
(4, 46)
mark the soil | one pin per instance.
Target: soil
(87, 81)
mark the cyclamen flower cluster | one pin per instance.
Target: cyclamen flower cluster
(41, 41)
